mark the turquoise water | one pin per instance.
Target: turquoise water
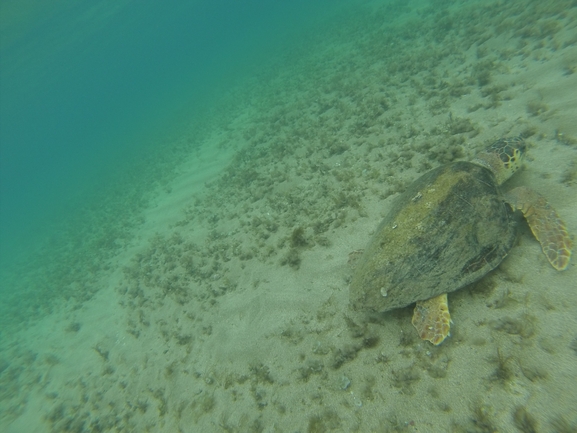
(88, 87)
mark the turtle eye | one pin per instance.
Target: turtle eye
(515, 160)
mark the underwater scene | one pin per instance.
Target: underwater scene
(213, 219)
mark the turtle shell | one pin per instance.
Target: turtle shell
(448, 229)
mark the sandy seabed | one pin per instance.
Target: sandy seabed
(227, 311)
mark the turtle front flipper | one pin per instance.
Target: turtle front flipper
(545, 224)
(432, 320)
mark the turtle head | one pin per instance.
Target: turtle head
(503, 157)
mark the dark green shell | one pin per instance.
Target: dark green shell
(447, 230)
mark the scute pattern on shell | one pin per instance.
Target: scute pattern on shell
(447, 230)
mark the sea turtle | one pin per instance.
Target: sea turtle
(447, 230)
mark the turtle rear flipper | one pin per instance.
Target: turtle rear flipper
(545, 224)
(432, 320)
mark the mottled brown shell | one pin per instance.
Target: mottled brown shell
(447, 230)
